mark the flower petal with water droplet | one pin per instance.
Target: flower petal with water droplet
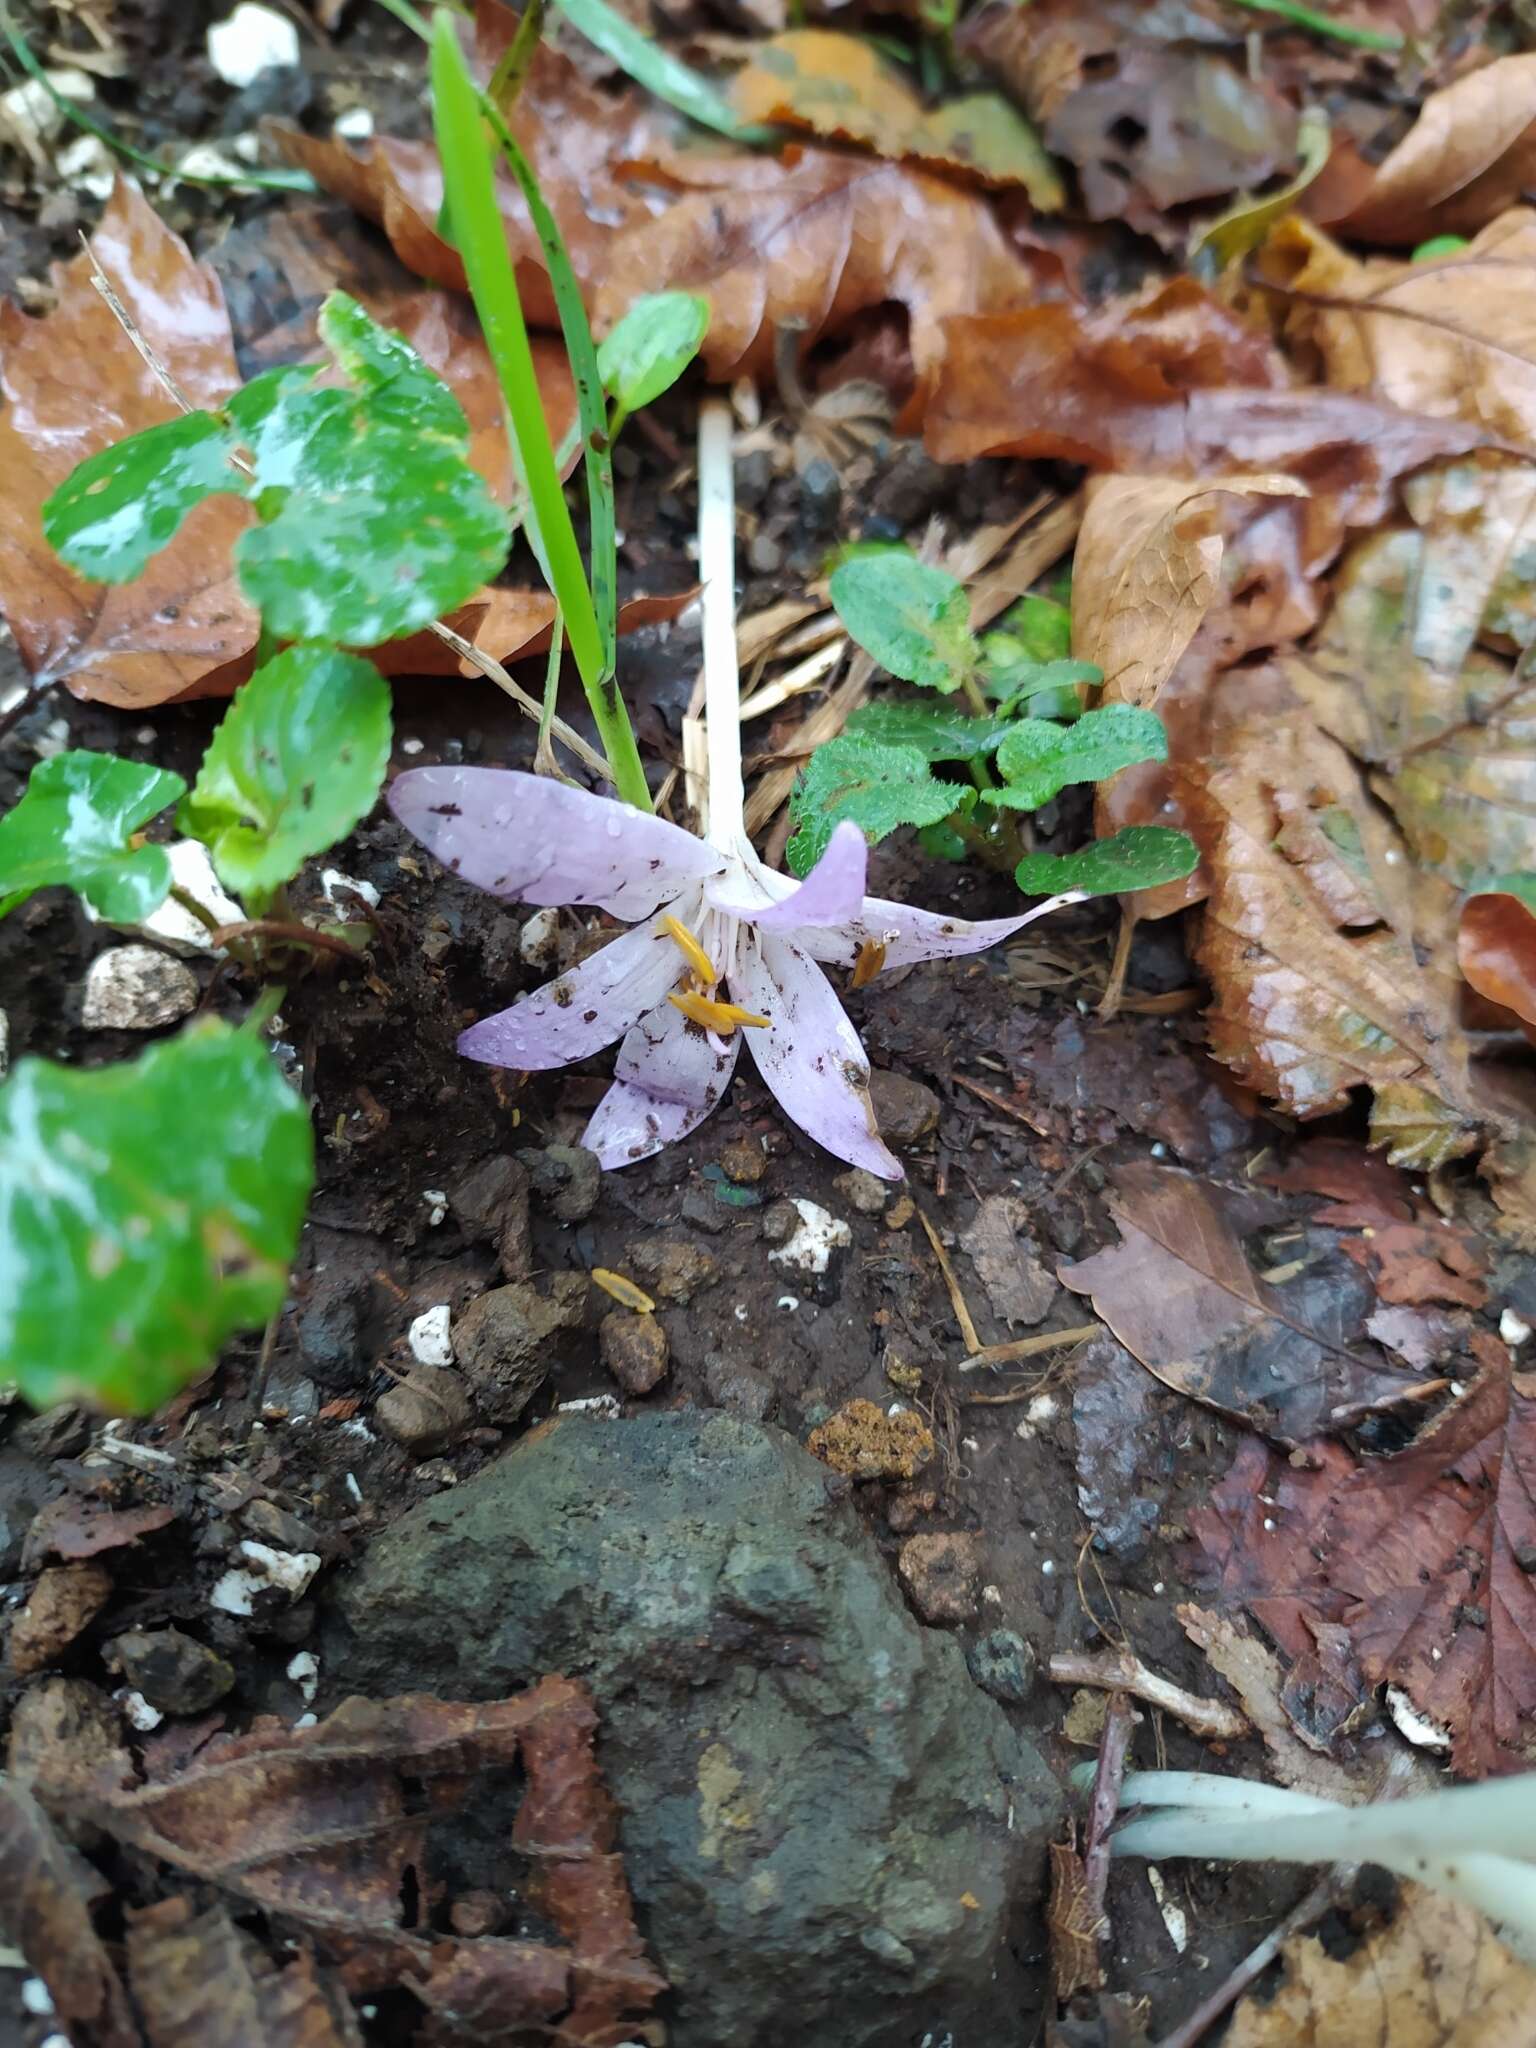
(668, 1076)
(582, 1010)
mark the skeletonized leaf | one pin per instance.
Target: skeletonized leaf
(297, 760)
(1040, 758)
(1140, 857)
(878, 787)
(912, 616)
(153, 1209)
(73, 825)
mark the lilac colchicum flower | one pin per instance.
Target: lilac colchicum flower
(707, 916)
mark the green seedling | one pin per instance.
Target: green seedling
(77, 825)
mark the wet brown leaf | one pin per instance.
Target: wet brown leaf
(1418, 1555)
(1179, 1293)
(47, 1889)
(1255, 1674)
(1496, 945)
(1412, 1253)
(510, 625)
(1006, 1256)
(842, 88)
(197, 1980)
(1437, 1977)
(1471, 153)
(73, 1528)
(72, 384)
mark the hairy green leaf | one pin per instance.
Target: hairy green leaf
(297, 760)
(72, 826)
(1039, 759)
(1140, 857)
(938, 733)
(152, 1208)
(913, 618)
(373, 521)
(651, 347)
(877, 787)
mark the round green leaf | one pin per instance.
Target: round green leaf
(1140, 857)
(297, 760)
(1039, 759)
(651, 347)
(72, 827)
(120, 507)
(877, 787)
(151, 1209)
(913, 618)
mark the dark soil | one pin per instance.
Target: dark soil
(402, 1120)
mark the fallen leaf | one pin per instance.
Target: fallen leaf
(1422, 1337)
(47, 1889)
(1421, 1556)
(1496, 946)
(1398, 674)
(1163, 386)
(1180, 1294)
(72, 384)
(1255, 1674)
(510, 625)
(1244, 226)
(1123, 1429)
(197, 1979)
(1006, 1256)
(1436, 1977)
(1322, 954)
(1363, 1187)
(1072, 1927)
(73, 1528)
(843, 89)
(1414, 1263)
(1471, 153)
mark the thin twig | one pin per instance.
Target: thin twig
(1114, 1748)
(283, 933)
(1123, 1671)
(1258, 1960)
(120, 313)
(1000, 1102)
(1020, 1348)
(956, 1298)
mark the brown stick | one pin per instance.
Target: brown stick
(968, 1330)
(285, 934)
(999, 1102)
(1256, 1962)
(1114, 1748)
(1025, 1347)
(1123, 1671)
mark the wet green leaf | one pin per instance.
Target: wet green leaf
(938, 732)
(298, 759)
(1140, 857)
(126, 503)
(72, 826)
(1039, 759)
(651, 347)
(1244, 226)
(152, 1208)
(913, 618)
(877, 787)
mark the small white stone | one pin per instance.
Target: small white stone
(1513, 1328)
(174, 926)
(36, 1998)
(307, 1721)
(1048, 1568)
(304, 1672)
(412, 746)
(31, 116)
(355, 125)
(431, 1336)
(437, 1205)
(87, 165)
(206, 160)
(136, 988)
(139, 1712)
(992, 1596)
(1413, 1726)
(264, 1570)
(1174, 1917)
(817, 1237)
(594, 1404)
(788, 1302)
(333, 880)
(251, 40)
(538, 943)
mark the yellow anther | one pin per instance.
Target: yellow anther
(691, 951)
(623, 1290)
(721, 1018)
(869, 963)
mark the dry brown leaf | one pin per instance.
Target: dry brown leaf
(1072, 1927)
(46, 1889)
(71, 385)
(1180, 1294)
(197, 1980)
(1471, 153)
(1254, 1673)
(1496, 945)
(1435, 1978)
(1420, 1556)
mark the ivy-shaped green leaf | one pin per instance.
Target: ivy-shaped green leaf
(373, 521)
(1039, 759)
(1140, 857)
(72, 826)
(938, 733)
(650, 348)
(877, 787)
(152, 1207)
(912, 617)
(297, 760)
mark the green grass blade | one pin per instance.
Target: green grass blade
(1324, 25)
(478, 230)
(659, 71)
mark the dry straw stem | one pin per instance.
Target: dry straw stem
(1123, 1671)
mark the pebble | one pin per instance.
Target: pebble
(863, 1190)
(671, 1268)
(490, 1205)
(505, 1339)
(174, 1672)
(744, 1161)
(942, 1575)
(89, 166)
(431, 1336)
(251, 40)
(821, 496)
(355, 125)
(905, 1510)
(864, 1442)
(1003, 1664)
(905, 1110)
(741, 1388)
(754, 478)
(66, 1600)
(427, 1409)
(812, 1238)
(634, 1349)
(263, 1570)
(567, 1180)
(764, 556)
(136, 988)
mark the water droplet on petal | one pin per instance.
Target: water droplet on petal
(615, 827)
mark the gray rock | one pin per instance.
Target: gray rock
(505, 1340)
(1003, 1664)
(742, 1388)
(809, 1784)
(566, 1178)
(174, 1672)
(490, 1206)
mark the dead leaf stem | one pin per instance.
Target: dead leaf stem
(1123, 1671)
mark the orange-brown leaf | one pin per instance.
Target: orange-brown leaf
(1496, 946)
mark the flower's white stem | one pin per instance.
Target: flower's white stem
(725, 800)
